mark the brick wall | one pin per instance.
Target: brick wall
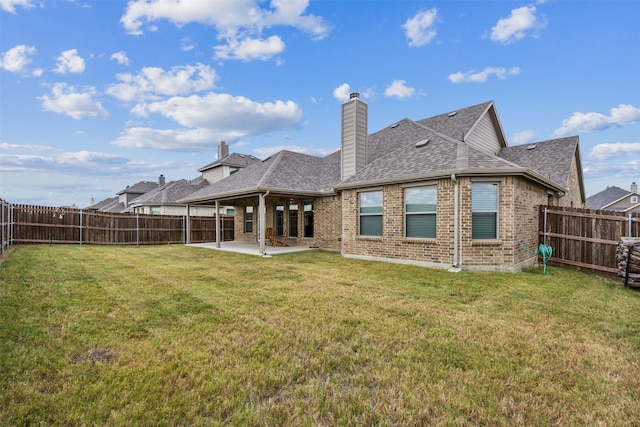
(327, 222)
(517, 220)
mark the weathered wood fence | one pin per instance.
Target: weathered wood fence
(586, 239)
(45, 224)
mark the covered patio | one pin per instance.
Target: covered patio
(252, 248)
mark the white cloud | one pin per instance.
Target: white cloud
(419, 29)
(622, 115)
(628, 169)
(70, 62)
(399, 89)
(24, 147)
(209, 118)
(342, 92)
(120, 57)
(523, 137)
(240, 22)
(154, 82)
(88, 161)
(516, 26)
(603, 152)
(64, 99)
(250, 49)
(10, 5)
(17, 58)
(480, 77)
(186, 44)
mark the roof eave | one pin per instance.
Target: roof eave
(470, 172)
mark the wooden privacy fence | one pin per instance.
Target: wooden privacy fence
(45, 224)
(586, 238)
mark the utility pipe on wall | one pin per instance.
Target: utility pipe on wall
(454, 179)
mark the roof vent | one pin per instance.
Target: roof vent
(422, 143)
(453, 113)
(531, 147)
(395, 125)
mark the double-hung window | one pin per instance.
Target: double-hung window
(370, 209)
(484, 205)
(420, 212)
(248, 219)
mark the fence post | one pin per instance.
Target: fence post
(2, 227)
(137, 230)
(544, 233)
(80, 226)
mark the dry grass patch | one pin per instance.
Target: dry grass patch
(174, 335)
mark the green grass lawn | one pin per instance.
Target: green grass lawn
(174, 335)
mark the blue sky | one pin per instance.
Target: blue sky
(98, 95)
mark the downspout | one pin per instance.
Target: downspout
(456, 230)
(262, 221)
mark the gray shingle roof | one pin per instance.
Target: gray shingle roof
(459, 124)
(170, 192)
(234, 160)
(551, 159)
(606, 197)
(284, 171)
(392, 156)
(139, 188)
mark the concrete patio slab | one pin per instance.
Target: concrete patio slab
(252, 248)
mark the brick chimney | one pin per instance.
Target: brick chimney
(354, 136)
(223, 150)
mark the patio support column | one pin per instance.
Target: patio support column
(217, 224)
(262, 220)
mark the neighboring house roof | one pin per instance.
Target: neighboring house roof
(393, 157)
(234, 160)
(111, 204)
(285, 171)
(139, 188)
(606, 199)
(169, 193)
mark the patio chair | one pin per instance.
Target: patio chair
(268, 235)
(282, 240)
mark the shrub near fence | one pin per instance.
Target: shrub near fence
(45, 224)
(586, 238)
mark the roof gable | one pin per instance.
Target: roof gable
(552, 159)
(233, 160)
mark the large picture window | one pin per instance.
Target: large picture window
(308, 219)
(484, 205)
(420, 212)
(248, 219)
(370, 209)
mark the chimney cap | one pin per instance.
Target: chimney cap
(354, 95)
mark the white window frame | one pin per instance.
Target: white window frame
(370, 214)
(421, 213)
(496, 210)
